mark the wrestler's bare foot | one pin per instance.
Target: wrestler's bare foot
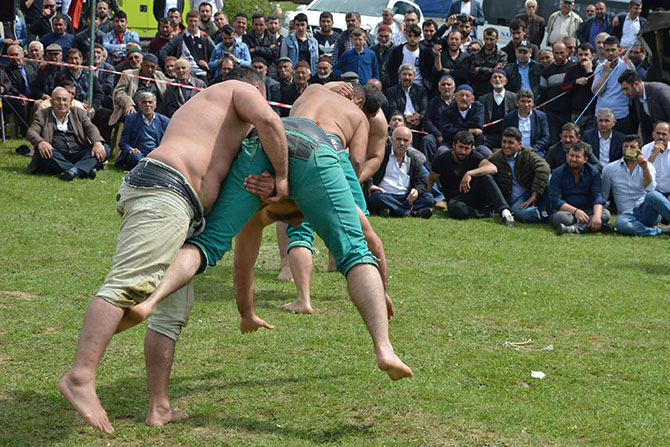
(298, 307)
(389, 306)
(136, 315)
(161, 416)
(285, 273)
(331, 263)
(82, 396)
(394, 367)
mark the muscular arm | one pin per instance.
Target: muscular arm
(358, 145)
(376, 145)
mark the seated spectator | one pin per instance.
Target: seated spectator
(272, 87)
(658, 154)
(431, 120)
(522, 177)
(450, 60)
(497, 104)
(176, 96)
(300, 46)
(22, 76)
(292, 91)
(517, 29)
(600, 23)
(44, 83)
(578, 81)
(397, 95)
(626, 25)
(259, 41)
(557, 154)
(71, 88)
(199, 49)
(484, 62)
(600, 57)
(466, 180)
(115, 41)
(36, 50)
(324, 71)
(651, 100)
(606, 143)
(169, 67)
(473, 46)
(577, 195)
(524, 72)
(464, 113)
(164, 35)
(399, 186)
(409, 53)
(359, 59)
(128, 89)
(82, 40)
(142, 132)
(106, 78)
(531, 122)
(382, 50)
(133, 60)
(229, 48)
(632, 181)
(284, 71)
(534, 23)
(66, 141)
(606, 86)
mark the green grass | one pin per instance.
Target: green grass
(461, 289)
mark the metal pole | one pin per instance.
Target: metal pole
(2, 120)
(91, 61)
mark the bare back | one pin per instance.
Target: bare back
(205, 134)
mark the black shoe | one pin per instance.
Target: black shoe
(93, 173)
(607, 229)
(424, 213)
(24, 150)
(68, 175)
(385, 212)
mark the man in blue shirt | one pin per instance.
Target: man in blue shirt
(606, 76)
(142, 132)
(360, 60)
(576, 195)
(59, 34)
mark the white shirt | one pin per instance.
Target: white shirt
(643, 100)
(626, 187)
(662, 165)
(630, 29)
(396, 178)
(62, 126)
(466, 7)
(498, 97)
(412, 58)
(604, 156)
(146, 121)
(409, 107)
(524, 127)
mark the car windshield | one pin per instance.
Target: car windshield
(367, 8)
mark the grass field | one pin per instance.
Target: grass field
(595, 308)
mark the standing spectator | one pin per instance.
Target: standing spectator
(359, 60)
(220, 19)
(217, 5)
(388, 20)
(102, 9)
(142, 132)
(41, 26)
(606, 86)
(557, 154)
(451, 60)
(590, 10)
(195, 46)
(32, 10)
(524, 72)
(517, 29)
(531, 122)
(229, 48)
(240, 22)
(273, 27)
(410, 53)
(407, 97)
(485, 61)
(577, 195)
(471, 8)
(497, 104)
(464, 113)
(382, 50)
(82, 40)
(432, 123)
(259, 41)
(13, 32)
(578, 82)
(66, 141)
(163, 37)
(59, 34)
(22, 75)
(600, 23)
(606, 143)
(326, 36)
(176, 96)
(522, 177)
(632, 181)
(353, 21)
(534, 23)
(115, 41)
(464, 27)
(299, 46)
(399, 186)
(658, 154)
(162, 8)
(429, 28)
(206, 22)
(638, 58)
(563, 22)
(627, 25)
(176, 20)
(651, 100)
(559, 109)
(601, 57)
(411, 18)
(466, 180)
(571, 47)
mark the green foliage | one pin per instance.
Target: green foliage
(250, 7)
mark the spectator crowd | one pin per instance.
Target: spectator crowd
(558, 125)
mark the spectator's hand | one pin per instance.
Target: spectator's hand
(43, 98)
(252, 323)
(498, 65)
(134, 151)
(128, 110)
(99, 152)
(476, 131)
(46, 12)
(437, 48)
(452, 20)
(465, 183)
(527, 203)
(581, 216)
(376, 188)
(204, 65)
(582, 81)
(261, 185)
(659, 147)
(45, 148)
(439, 139)
(596, 223)
(615, 21)
(413, 195)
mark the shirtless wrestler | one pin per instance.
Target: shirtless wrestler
(162, 201)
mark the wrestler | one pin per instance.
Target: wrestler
(162, 201)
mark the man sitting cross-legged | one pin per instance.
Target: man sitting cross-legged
(162, 202)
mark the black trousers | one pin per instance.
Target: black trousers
(483, 196)
(63, 161)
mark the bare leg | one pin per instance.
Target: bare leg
(301, 266)
(78, 384)
(158, 356)
(366, 291)
(377, 248)
(284, 265)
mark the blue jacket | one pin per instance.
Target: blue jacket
(109, 42)
(453, 122)
(290, 49)
(364, 64)
(539, 129)
(240, 51)
(592, 137)
(131, 133)
(584, 29)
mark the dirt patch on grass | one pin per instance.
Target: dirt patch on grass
(19, 294)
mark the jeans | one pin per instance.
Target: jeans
(567, 218)
(530, 214)
(398, 203)
(642, 221)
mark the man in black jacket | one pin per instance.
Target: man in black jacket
(397, 98)
(259, 41)
(423, 59)
(22, 75)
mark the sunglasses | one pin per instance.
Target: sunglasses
(49, 6)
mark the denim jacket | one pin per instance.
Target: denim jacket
(290, 48)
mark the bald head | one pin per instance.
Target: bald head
(401, 140)
(560, 52)
(375, 83)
